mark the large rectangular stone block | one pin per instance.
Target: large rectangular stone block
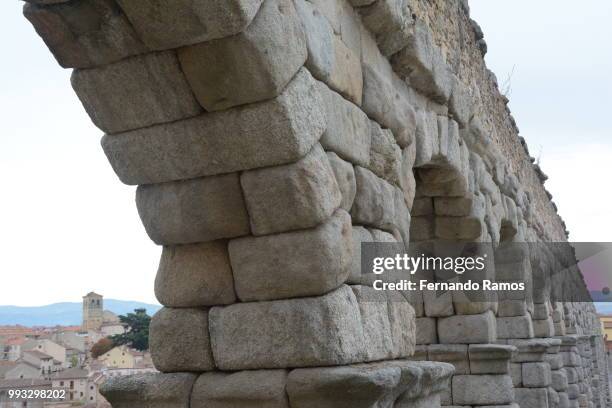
(519, 327)
(348, 128)
(315, 331)
(244, 389)
(191, 211)
(536, 375)
(293, 264)
(490, 358)
(482, 390)
(195, 275)
(471, 329)
(292, 196)
(270, 133)
(423, 64)
(180, 341)
(390, 21)
(85, 34)
(532, 397)
(137, 92)
(162, 24)
(386, 98)
(333, 59)
(359, 386)
(251, 66)
(149, 390)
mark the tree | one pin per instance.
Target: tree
(137, 330)
(103, 345)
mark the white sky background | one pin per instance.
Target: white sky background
(68, 226)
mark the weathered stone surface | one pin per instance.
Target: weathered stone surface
(385, 155)
(195, 275)
(518, 327)
(532, 397)
(541, 311)
(197, 210)
(316, 331)
(516, 372)
(252, 66)
(263, 134)
(388, 323)
(385, 95)
(452, 206)
(458, 228)
(455, 354)
(247, 389)
(438, 304)
(544, 328)
(471, 329)
(358, 386)
(146, 90)
(559, 380)
(536, 375)
(292, 196)
(511, 308)
(482, 390)
(346, 76)
(348, 128)
(319, 39)
(460, 103)
(422, 228)
(345, 177)
(149, 390)
(407, 179)
(84, 34)
(402, 320)
(423, 64)
(390, 21)
(375, 320)
(426, 330)
(490, 358)
(422, 206)
(374, 201)
(529, 350)
(164, 25)
(407, 383)
(180, 341)
(293, 264)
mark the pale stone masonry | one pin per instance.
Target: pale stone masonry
(269, 139)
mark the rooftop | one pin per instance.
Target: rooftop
(70, 374)
(24, 383)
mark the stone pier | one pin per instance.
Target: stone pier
(269, 140)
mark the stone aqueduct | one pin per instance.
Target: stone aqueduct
(268, 140)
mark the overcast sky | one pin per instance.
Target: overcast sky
(69, 226)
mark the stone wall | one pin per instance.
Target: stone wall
(269, 139)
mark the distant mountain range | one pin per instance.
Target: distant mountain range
(64, 314)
